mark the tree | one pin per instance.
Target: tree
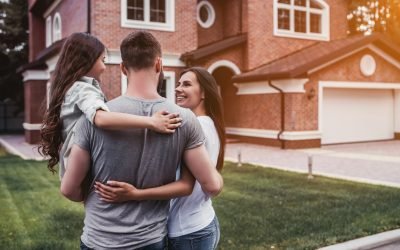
(13, 47)
(368, 16)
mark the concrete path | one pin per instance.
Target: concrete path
(15, 144)
(374, 162)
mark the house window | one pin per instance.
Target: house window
(305, 19)
(205, 14)
(57, 27)
(148, 14)
(48, 31)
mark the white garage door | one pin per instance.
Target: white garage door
(355, 115)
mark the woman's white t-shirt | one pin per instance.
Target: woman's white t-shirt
(194, 212)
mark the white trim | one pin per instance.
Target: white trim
(124, 83)
(353, 85)
(397, 111)
(224, 63)
(373, 48)
(169, 25)
(35, 75)
(51, 63)
(325, 21)
(211, 14)
(384, 55)
(51, 8)
(262, 87)
(31, 126)
(48, 31)
(335, 60)
(57, 34)
(170, 85)
(168, 60)
(172, 60)
(273, 134)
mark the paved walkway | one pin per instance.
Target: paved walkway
(15, 144)
(374, 162)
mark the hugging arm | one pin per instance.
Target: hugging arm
(115, 191)
(78, 166)
(199, 164)
(162, 121)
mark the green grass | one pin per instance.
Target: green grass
(259, 208)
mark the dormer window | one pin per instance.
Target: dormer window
(304, 19)
(148, 14)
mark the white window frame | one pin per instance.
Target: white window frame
(49, 39)
(211, 14)
(169, 25)
(57, 34)
(324, 12)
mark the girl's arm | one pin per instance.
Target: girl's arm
(115, 191)
(161, 121)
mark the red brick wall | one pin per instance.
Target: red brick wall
(106, 24)
(111, 81)
(73, 16)
(263, 46)
(33, 104)
(37, 41)
(216, 31)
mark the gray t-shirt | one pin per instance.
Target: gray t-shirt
(141, 157)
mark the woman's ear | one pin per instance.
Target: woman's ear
(123, 69)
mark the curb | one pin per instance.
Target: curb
(370, 242)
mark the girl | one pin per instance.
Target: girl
(192, 223)
(75, 91)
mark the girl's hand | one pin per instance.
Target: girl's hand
(116, 191)
(164, 122)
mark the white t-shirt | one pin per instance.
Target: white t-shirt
(194, 212)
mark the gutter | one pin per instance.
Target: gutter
(282, 112)
(89, 12)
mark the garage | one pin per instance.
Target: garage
(356, 115)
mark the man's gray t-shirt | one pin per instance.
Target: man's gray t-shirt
(141, 157)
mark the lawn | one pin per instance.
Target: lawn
(259, 209)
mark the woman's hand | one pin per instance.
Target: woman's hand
(115, 191)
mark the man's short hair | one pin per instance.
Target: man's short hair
(139, 50)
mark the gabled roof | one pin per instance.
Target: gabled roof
(213, 48)
(297, 64)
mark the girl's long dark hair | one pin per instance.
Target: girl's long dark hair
(213, 106)
(78, 55)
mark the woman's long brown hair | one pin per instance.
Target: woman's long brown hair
(78, 55)
(213, 106)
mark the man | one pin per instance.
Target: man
(140, 157)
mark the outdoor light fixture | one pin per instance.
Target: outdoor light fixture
(311, 94)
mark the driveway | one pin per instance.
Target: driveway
(372, 162)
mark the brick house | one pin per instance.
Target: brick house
(289, 74)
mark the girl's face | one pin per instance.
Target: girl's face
(188, 92)
(98, 67)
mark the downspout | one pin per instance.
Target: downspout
(89, 12)
(241, 18)
(282, 112)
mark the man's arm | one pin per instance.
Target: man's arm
(198, 162)
(77, 168)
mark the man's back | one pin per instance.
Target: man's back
(140, 157)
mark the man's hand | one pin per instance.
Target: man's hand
(115, 191)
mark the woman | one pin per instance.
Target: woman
(192, 223)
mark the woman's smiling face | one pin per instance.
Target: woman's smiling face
(188, 92)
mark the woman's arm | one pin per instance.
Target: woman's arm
(162, 122)
(115, 191)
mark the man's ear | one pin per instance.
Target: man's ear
(158, 65)
(123, 69)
